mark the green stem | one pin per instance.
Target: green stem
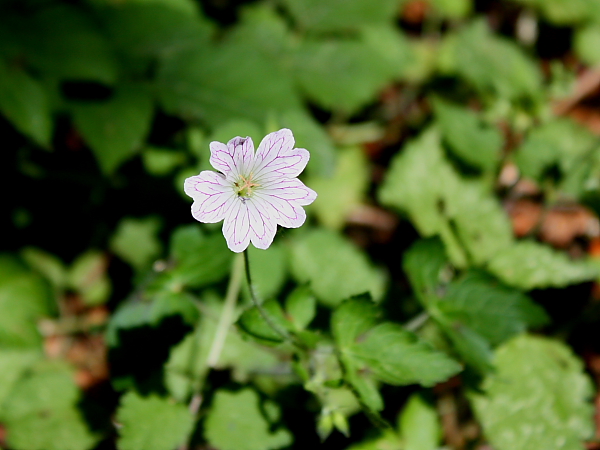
(225, 321)
(280, 331)
(417, 322)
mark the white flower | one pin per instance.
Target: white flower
(252, 193)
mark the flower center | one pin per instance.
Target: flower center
(245, 185)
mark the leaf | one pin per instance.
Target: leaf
(341, 14)
(492, 310)
(530, 265)
(13, 364)
(88, 276)
(40, 411)
(424, 264)
(46, 264)
(199, 260)
(396, 356)
(464, 213)
(495, 64)
(473, 141)
(419, 425)
(269, 271)
(471, 346)
(115, 128)
(538, 398)
(301, 307)
(334, 267)
(152, 423)
(135, 241)
(563, 13)
(234, 422)
(236, 127)
(161, 161)
(24, 102)
(340, 74)
(272, 330)
(352, 318)
(585, 43)
(340, 194)
(453, 9)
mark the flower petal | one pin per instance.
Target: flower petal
(262, 223)
(290, 189)
(288, 214)
(277, 157)
(212, 196)
(221, 158)
(242, 150)
(236, 227)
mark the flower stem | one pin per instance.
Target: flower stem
(233, 291)
(280, 331)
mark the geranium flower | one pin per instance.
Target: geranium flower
(252, 193)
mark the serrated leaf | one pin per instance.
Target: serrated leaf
(40, 411)
(115, 128)
(341, 14)
(334, 268)
(494, 311)
(424, 263)
(340, 194)
(538, 397)
(464, 213)
(352, 318)
(396, 356)
(301, 307)
(235, 422)
(473, 141)
(152, 423)
(199, 260)
(24, 102)
(135, 241)
(531, 265)
(419, 425)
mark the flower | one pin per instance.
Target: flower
(252, 193)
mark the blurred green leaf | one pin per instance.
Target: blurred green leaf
(268, 269)
(115, 128)
(392, 46)
(13, 364)
(530, 265)
(538, 398)
(341, 14)
(334, 268)
(46, 264)
(301, 307)
(239, 411)
(419, 425)
(40, 412)
(344, 191)
(473, 141)
(561, 12)
(24, 102)
(152, 423)
(199, 260)
(253, 323)
(161, 161)
(453, 9)
(464, 213)
(424, 263)
(135, 241)
(471, 346)
(396, 356)
(236, 127)
(586, 43)
(89, 278)
(352, 318)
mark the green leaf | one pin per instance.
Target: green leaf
(472, 347)
(340, 74)
(340, 194)
(563, 13)
(269, 271)
(199, 260)
(301, 307)
(334, 267)
(46, 264)
(235, 422)
(237, 127)
(89, 278)
(24, 102)
(495, 64)
(13, 364)
(161, 161)
(40, 412)
(24, 299)
(492, 310)
(341, 14)
(473, 141)
(453, 9)
(464, 213)
(115, 128)
(396, 356)
(135, 241)
(152, 423)
(538, 398)
(424, 264)
(530, 265)
(419, 425)
(253, 323)
(586, 43)
(352, 318)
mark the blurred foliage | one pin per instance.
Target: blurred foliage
(442, 294)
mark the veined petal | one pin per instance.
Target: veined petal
(211, 194)
(262, 223)
(242, 150)
(236, 227)
(288, 214)
(290, 189)
(271, 147)
(289, 164)
(222, 159)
